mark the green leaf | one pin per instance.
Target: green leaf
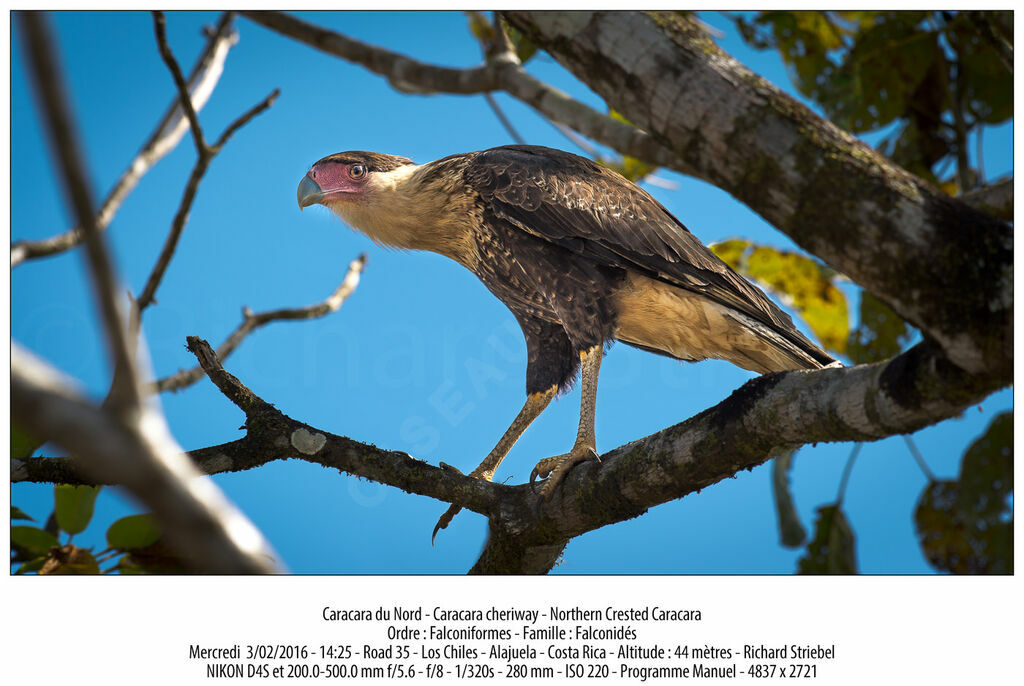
(870, 69)
(17, 513)
(33, 565)
(74, 506)
(791, 531)
(966, 526)
(480, 27)
(832, 551)
(805, 284)
(989, 84)
(22, 445)
(525, 48)
(135, 531)
(881, 333)
(31, 541)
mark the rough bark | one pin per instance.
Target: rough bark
(941, 264)
(996, 198)
(944, 266)
(763, 417)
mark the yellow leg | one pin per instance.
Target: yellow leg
(585, 449)
(535, 404)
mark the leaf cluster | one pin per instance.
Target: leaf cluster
(133, 543)
(965, 526)
(930, 72)
(800, 281)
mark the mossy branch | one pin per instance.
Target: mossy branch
(764, 416)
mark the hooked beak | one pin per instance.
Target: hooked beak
(309, 192)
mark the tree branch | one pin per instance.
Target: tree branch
(205, 154)
(148, 296)
(252, 321)
(272, 435)
(702, 113)
(500, 73)
(198, 521)
(126, 397)
(125, 438)
(764, 416)
(889, 231)
(995, 198)
(169, 131)
(160, 28)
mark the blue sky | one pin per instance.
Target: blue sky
(422, 358)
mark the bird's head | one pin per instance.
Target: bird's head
(391, 200)
(367, 190)
(354, 177)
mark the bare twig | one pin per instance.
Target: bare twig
(147, 297)
(503, 119)
(495, 45)
(253, 112)
(126, 438)
(160, 27)
(847, 470)
(581, 142)
(167, 134)
(252, 321)
(205, 154)
(918, 457)
(502, 73)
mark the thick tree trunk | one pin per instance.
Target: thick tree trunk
(945, 267)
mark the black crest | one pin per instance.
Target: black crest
(373, 161)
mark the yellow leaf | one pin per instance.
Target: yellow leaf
(799, 281)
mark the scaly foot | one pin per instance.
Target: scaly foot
(554, 469)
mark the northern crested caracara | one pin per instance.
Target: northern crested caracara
(580, 255)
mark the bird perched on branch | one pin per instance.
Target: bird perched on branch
(580, 255)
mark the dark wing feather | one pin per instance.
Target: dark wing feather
(580, 205)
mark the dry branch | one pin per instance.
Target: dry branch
(764, 416)
(169, 131)
(202, 164)
(252, 321)
(502, 72)
(184, 97)
(205, 154)
(124, 439)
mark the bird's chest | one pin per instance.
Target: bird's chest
(502, 268)
(536, 278)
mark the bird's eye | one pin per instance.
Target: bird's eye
(357, 171)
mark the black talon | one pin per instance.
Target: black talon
(444, 521)
(533, 479)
